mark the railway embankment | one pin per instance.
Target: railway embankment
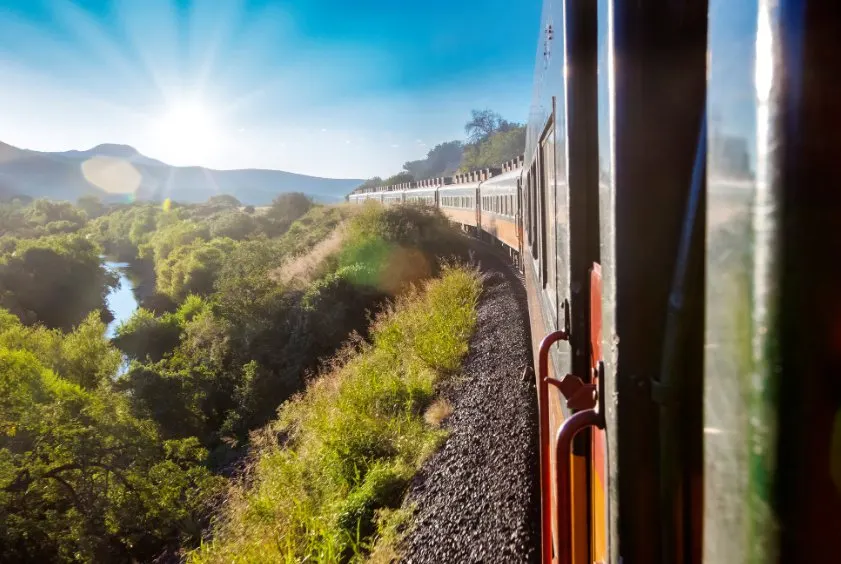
(327, 479)
(477, 498)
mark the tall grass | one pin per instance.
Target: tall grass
(329, 475)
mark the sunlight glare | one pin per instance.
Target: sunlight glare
(187, 134)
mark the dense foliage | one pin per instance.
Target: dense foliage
(111, 450)
(80, 477)
(55, 280)
(353, 440)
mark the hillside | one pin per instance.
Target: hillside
(121, 170)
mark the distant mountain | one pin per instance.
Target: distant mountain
(115, 171)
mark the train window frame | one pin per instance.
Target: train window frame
(548, 194)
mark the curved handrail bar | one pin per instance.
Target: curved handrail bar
(545, 464)
(563, 476)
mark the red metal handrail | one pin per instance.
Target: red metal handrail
(543, 414)
(563, 476)
(579, 396)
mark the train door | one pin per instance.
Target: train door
(650, 185)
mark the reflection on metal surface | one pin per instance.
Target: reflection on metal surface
(608, 265)
(739, 422)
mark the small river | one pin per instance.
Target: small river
(121, 300)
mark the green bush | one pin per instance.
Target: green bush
(352, 441)
(83, 480)
(145, 336)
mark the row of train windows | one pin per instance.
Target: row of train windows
(457, 201)
(425, 199)
(503, 205)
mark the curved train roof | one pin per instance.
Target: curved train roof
(502, 176)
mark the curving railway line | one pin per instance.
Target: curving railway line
(675, 219)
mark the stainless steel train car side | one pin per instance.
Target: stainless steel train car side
(500, 208)
(428, 196)
(459, 202)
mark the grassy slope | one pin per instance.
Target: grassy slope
(332, 470)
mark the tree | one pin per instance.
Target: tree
(499, 147)
(442, 160)
(233, 223)
(42, 212)
(285, 209)
(144, 336)
(374, 182)
(55, 280)
(192, 268)
(82, 479)
(223, 201)
(398, 178)
(483, 124)
(92, 206)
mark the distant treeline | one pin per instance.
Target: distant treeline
(491, 140)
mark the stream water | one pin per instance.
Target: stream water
(121, 300)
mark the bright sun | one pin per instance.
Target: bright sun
(187, 133)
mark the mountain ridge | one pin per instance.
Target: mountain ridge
(114, 172)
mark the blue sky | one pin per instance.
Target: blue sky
(341, 88)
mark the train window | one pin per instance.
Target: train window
(533, 209)
(549, 188)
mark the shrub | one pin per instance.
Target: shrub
(144, 336)
(352, 441)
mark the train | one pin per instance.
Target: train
(674, 216)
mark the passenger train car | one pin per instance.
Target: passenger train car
(675, 217)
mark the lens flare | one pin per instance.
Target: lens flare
(112, 174)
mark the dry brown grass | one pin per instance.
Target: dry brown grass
(303, 269)
(438, 411)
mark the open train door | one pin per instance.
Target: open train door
(635, 130)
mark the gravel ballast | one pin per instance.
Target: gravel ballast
(477, 498)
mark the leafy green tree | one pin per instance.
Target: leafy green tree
(124, 229)
(223, 201)
(192, 268)
(145, 336)
(483, 124)
(398, 178)
(234, 224)
(55, 280)
(170, 237)
(12, 220)
(285, 209)
(374, 182)
(83, 479)
(442, 160)
(83, 356)
(92, 206)
(499, 147)
(42, 212)
(87, 357)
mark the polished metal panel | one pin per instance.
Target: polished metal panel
(742, 223)
(607, 247)
(549, 148)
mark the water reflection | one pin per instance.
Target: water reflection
(121, 300)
